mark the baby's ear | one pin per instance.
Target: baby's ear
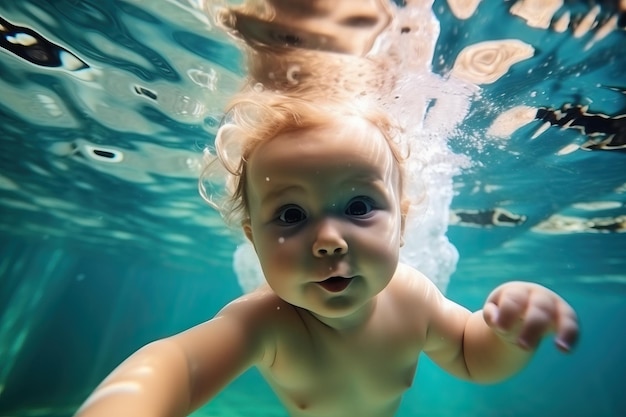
(247, 230)
(405, 205)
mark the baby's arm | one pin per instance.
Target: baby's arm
(154, 381)
(495, 343)
(519, 315)
(174, 376)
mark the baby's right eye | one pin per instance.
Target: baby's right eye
(291, 215)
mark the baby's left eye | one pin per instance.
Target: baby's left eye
(359, 206)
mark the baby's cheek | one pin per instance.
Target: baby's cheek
(390, 227)
(283, 251)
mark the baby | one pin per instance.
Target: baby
(338, 329)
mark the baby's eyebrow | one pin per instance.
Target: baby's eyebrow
(367, 180)
(278, 191)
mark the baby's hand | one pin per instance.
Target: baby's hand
(522, 313)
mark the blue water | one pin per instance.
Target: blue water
(99, 257)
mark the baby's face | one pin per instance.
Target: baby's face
(325, 217)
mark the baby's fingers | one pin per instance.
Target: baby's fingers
(504, 310)
(523, 313)
(567, 328)
(538, 321)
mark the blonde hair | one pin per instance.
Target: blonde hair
(254, 117)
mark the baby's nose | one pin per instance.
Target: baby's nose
(331, 249)
(329, 242)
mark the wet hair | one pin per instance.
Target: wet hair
(256, 117)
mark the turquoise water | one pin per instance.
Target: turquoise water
(106, 244)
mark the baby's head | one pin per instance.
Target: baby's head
(254, 119)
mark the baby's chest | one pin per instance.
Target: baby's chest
(329, 373)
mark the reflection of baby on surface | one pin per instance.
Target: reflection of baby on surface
(314, 48)
(349, 27)
(317, 180)
(314, 45)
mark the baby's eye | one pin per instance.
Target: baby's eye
(359, 206)
(291, 214)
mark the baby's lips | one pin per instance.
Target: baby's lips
(336, 283)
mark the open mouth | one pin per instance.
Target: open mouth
(335, 284)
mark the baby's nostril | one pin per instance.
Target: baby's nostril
(323, 251)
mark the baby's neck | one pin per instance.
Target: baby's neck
(350, 323)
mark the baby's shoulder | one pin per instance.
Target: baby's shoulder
(256, 305)
(407, 278)
(412, 288)
(261, 311)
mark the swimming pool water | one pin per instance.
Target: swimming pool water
(105, 244)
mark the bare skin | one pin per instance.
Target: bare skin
(339, 327)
